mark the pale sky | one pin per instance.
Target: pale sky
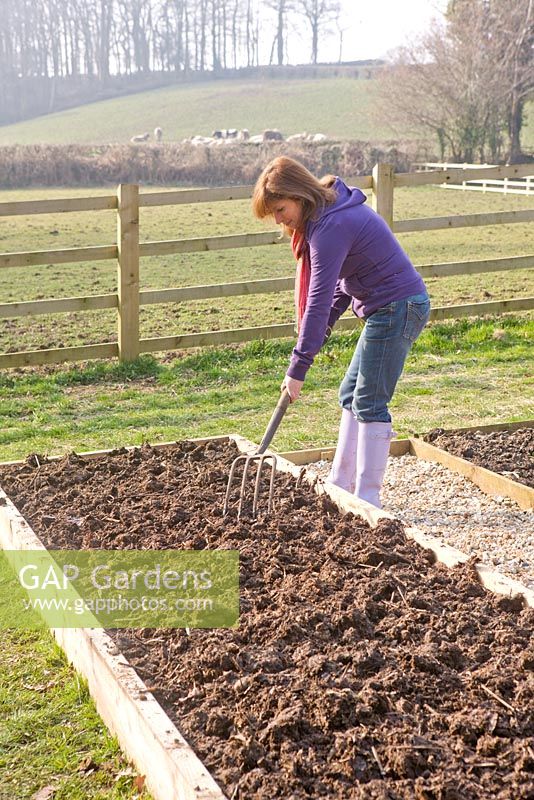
(372, 28)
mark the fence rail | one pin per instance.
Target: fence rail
(127, 251)
(519, 184)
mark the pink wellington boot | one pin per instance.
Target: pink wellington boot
(373, 450)
(343, 471)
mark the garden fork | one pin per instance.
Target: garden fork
(259, 457)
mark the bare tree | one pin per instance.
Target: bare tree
(215, 15)
(319, 14)
(465, 79)
(281, 9)
(251, 33)
(513, 29)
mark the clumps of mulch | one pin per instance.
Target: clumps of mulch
(509, 452)
(359, 668)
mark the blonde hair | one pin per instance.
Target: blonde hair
(286, 178)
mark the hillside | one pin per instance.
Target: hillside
(339, 107)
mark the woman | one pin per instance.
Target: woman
(347, 254)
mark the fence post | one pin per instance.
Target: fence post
(128, 270)
(383, 184)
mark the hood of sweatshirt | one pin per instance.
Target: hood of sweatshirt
(347, 197)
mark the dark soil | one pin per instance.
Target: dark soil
(509, 452)
(359, 669)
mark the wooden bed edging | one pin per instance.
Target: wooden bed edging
(495, 581)
(397, 447)
(147, 736)
(492, 580)
(498, 426)
(490, 482)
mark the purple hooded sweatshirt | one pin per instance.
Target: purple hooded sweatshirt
(354, 258)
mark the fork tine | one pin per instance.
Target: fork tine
(233, 468)
(248, 459)
(271, 485)
(261, 460)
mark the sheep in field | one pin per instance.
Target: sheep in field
(158, 134)
(141, 137)
(273, 135)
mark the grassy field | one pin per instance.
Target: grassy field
(459, 373)
(339, 107)
(71, 230)
(205, 393)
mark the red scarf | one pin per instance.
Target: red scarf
(301, 251)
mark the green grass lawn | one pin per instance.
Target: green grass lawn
(51, 735)
(459, 373)
(338, 107)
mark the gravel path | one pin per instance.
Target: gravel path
(450, 507)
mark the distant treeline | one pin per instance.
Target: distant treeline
(52, 51)
(188, 165)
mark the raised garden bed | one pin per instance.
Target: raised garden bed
(360, 668)
(508, 451)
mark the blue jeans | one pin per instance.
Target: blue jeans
(379, 358)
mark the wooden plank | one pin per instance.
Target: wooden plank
(397, 447)
(209, 243)
(209, 291)
(360, 182)
(383, 186)
(483, 188)
(474, 267)
(476, 309)
(182, 196)
(210, 338)
(186, 293)
(70, 255)
(458, 175)
(33, 358)
(128, 708)
(349, 323)
(220, 193)
(309, 456)
(34, 308)
(504, 183)
(128, 271)
(59, 206)
(462, 221)
(494, 581)
(500, 426)
(490, 482)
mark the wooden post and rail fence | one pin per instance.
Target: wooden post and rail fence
(128, 250)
